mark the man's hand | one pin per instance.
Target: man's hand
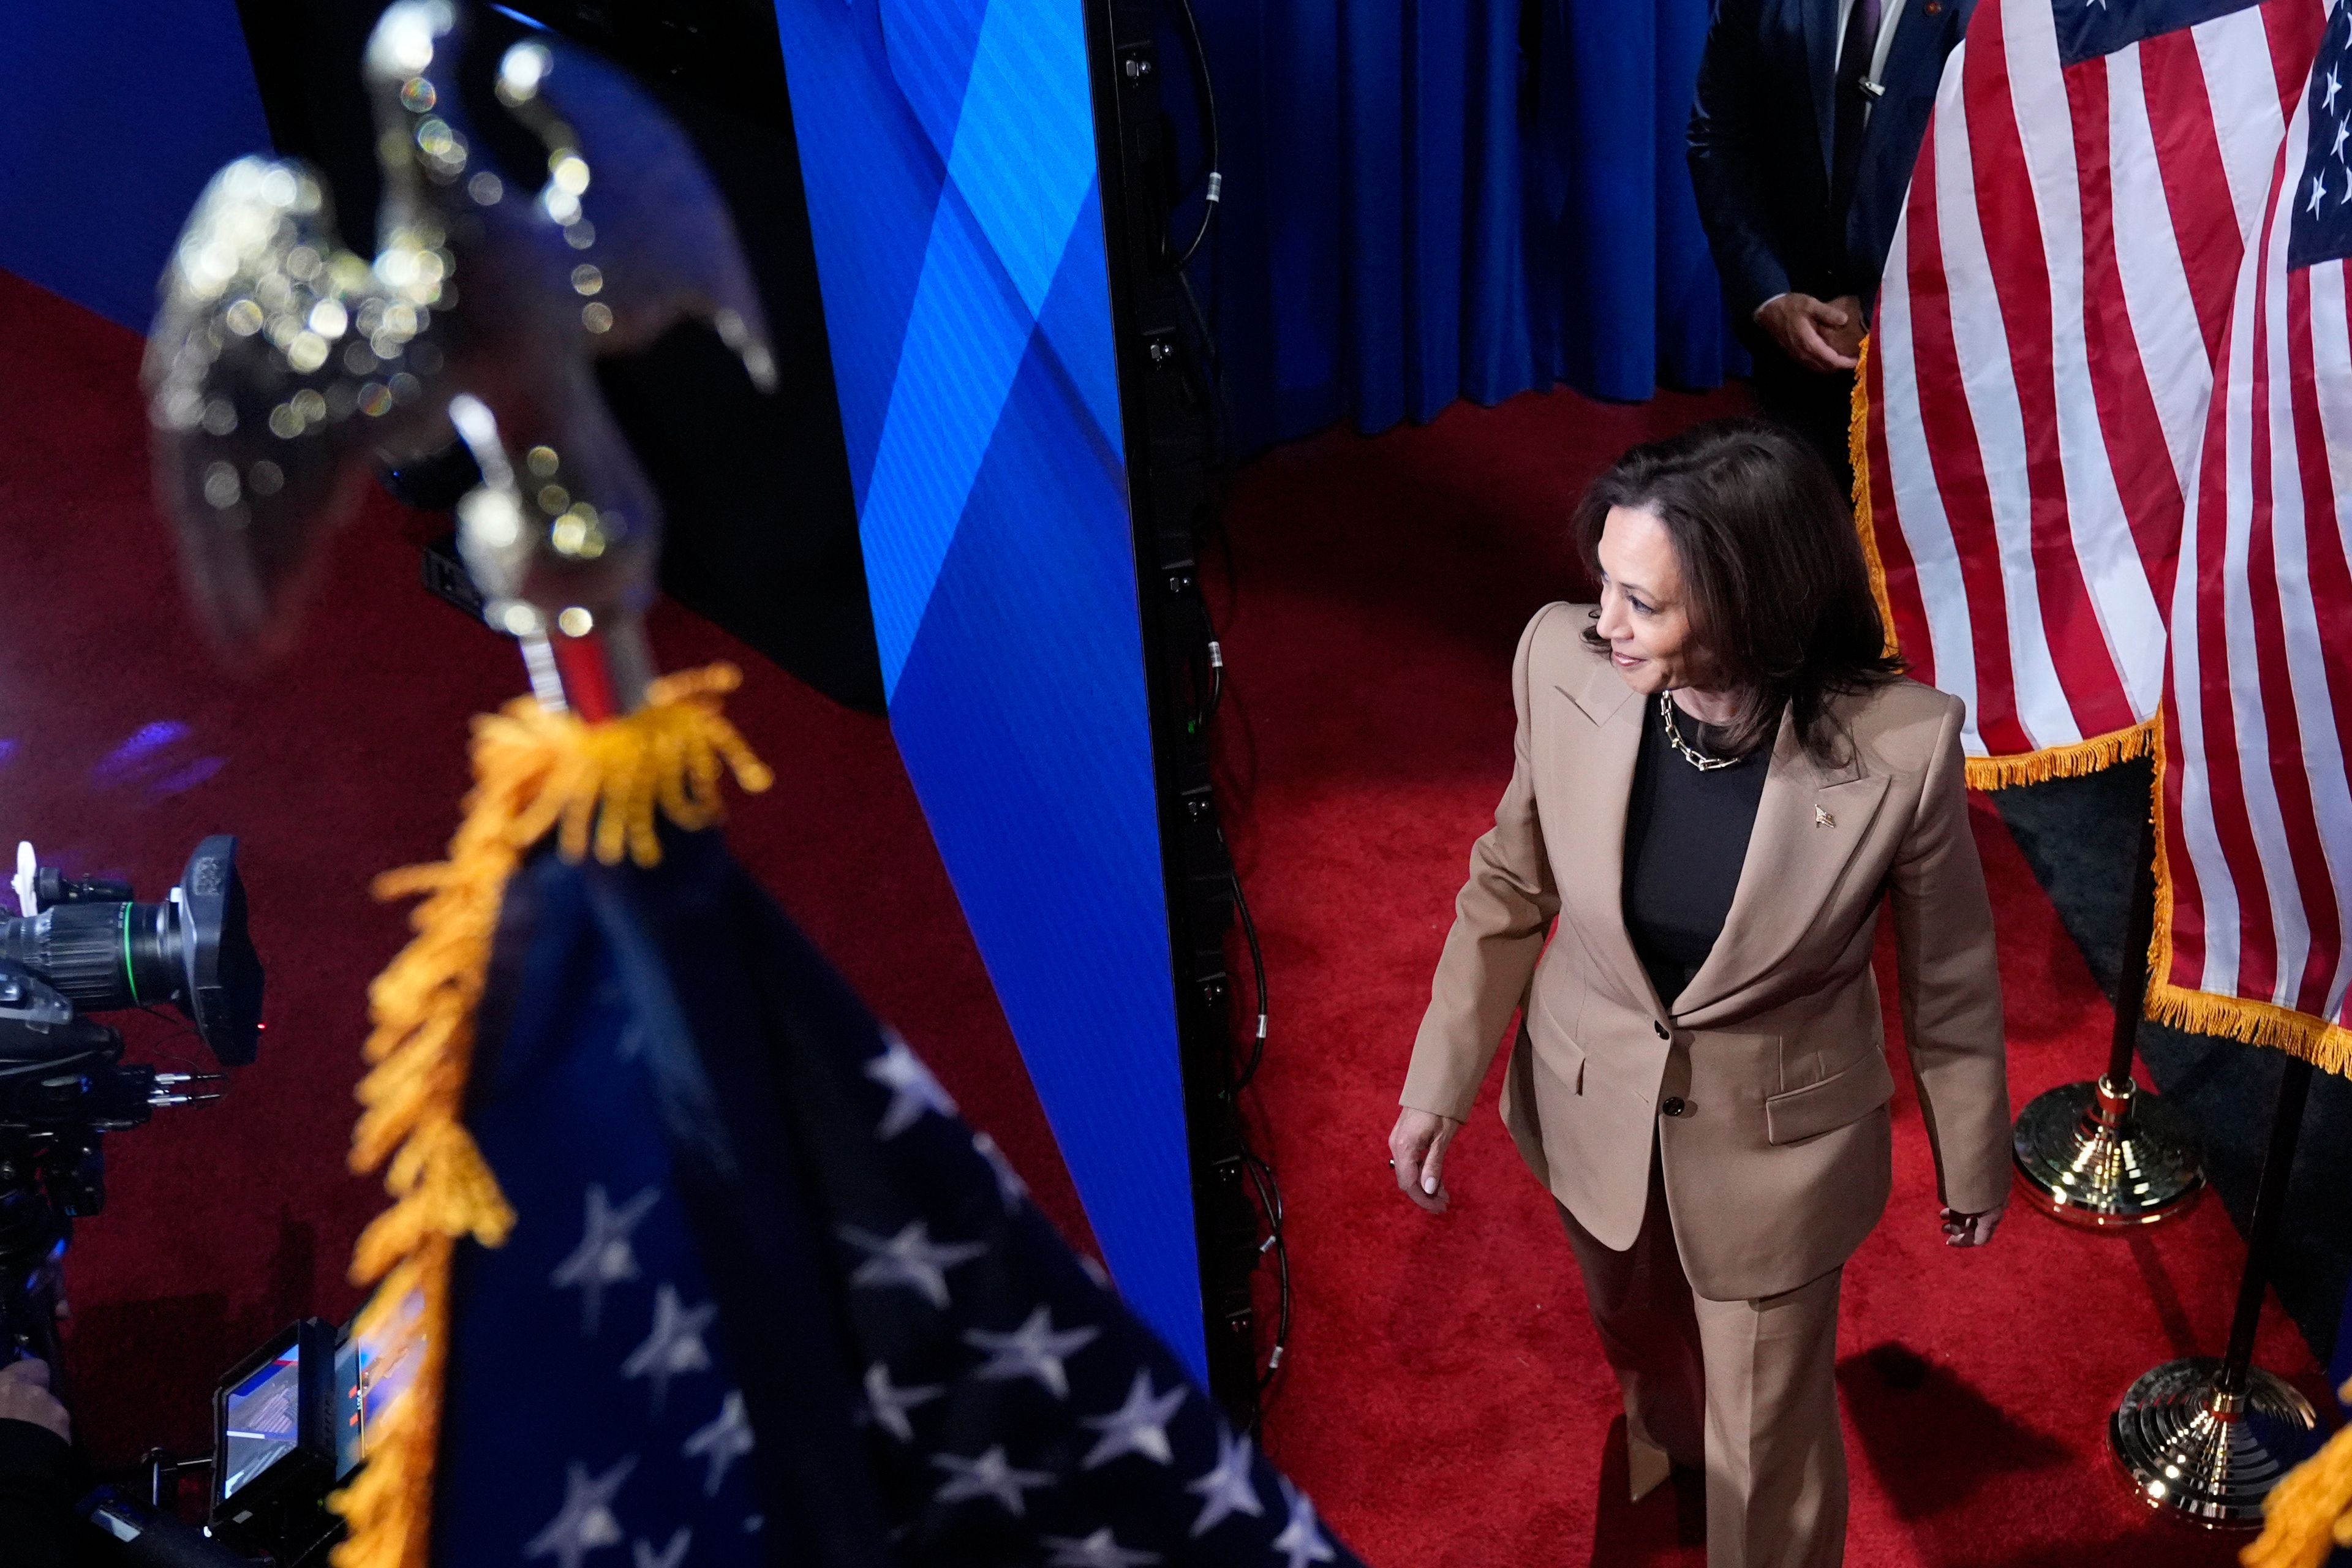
(1847, 340)
(25, 1396)
(1417, 1150)
(1823, 335)
(1972, 1229)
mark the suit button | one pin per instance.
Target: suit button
(1660, 1027)
(1673, 1105)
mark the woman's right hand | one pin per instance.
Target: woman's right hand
(1417, 1150)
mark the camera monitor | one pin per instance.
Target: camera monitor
(261, 1418)
(275, 1439)
(371, 1369)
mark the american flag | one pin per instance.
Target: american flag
(2258, 710)
(2055, 299)
(768, 1300)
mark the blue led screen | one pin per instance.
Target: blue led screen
(114, 117)
(948, 149)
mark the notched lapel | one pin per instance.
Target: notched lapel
(1794, 860)
(1595, 767)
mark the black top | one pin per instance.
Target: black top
(1686, 839)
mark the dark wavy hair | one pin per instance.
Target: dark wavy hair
(1773, 577)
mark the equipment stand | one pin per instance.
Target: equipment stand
(2109, 1154)
(2206, 1438)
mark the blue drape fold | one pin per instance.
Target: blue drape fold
(1427, 200)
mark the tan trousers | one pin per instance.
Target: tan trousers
(1747, 1388)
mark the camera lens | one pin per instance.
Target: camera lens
(102, 955)
(192, 951)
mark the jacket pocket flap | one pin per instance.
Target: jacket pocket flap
(1836, 1101)
(1559, 1058)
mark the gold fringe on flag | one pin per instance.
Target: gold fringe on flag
(2309, 1513)
(2062, 762)
(595, 787)
(1857, 452)
(2323, 1044)
(1983, 772)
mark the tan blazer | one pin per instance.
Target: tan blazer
(1767, 1082)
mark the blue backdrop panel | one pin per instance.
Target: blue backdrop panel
(948, 151)
(1440, 199)
(115, 116)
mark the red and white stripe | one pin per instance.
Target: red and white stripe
(2057, 291)
(2257, 805)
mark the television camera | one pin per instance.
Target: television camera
(90, 946)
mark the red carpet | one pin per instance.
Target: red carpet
(1444, 1398)
(125, 745)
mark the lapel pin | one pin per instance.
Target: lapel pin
(1821, 818)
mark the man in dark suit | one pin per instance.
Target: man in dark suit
(1807, 121)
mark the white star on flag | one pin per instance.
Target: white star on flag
(674, 1346)
(1301, 1540)
(2318, 189)
(891, 1404)
(585, 1523)
(913, 1089)
(2334, 86)
(2343, 134)
(670, 1556)
(1034, 1349)
(990, 1476)
(723, 1440)
(1227, 1489)
(1137, 1426)
(603, 1256)
(1097, 1551)
(1008, 1184)
(910, 1258)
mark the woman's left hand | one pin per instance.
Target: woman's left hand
(1972, 1229)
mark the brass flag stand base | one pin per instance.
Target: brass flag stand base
(2208, 1440)
(2211, 1456)
(2109, 1154)
(2096, 1156)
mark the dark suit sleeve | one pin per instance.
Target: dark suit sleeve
(1725, 134)
(1951, 979)
(1499, 922)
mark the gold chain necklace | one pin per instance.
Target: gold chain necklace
(1697, 758)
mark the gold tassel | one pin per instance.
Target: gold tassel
(1857, 450)
(2309, 1513)
(595, 787)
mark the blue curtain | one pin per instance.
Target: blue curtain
(1427, 200)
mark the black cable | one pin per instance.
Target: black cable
(1216, 184)
(1269, 1197)
(1269, 1189)
(180, 1029)
(1257, 975)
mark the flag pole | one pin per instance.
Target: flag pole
(2206, 1438)
(2109, 1154)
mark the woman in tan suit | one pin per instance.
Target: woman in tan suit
(1719, 778)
